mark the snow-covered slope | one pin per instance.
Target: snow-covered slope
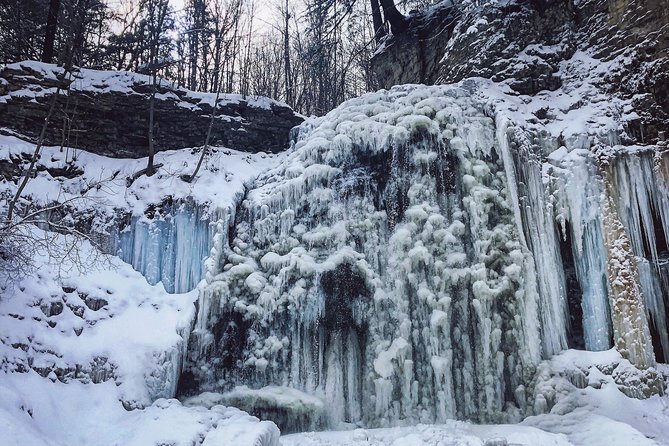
(90, 352)
(81, 351)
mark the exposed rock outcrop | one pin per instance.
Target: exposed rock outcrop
(107, 112)
(533, 46)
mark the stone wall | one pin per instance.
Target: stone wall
(108, 113)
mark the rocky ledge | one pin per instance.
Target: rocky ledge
(107, 112)
(620, 47)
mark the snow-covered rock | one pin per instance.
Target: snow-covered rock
(107, 112)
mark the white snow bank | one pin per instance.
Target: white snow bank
(223, 177)
(94, 321)
(37, 412)
(104, 341)
(452, 433)
(586, 391)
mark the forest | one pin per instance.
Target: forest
(311, 54)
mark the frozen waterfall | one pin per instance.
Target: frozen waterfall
(414, 258)
(380, 268)
(170, 244)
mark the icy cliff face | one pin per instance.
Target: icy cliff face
(418, 253)
(171, 246)
(526, 44)
(380, 268)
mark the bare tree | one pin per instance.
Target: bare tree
(156, 23)
(64, 80)
(48, 231)
(288, 78)
(224, 21)
(50, 34)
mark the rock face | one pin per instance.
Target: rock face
(108, 113)
(526, 45)
(415, 56)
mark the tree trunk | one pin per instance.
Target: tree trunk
(398, 22)
(286, 57)
(50, 33)
(205, 149)
(377, 21)
(149, 165)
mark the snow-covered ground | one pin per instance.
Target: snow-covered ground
(453, 433)
(79, 351)
(88, 349)
(102, 180)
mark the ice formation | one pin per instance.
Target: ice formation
(170, 247)
(412, 259)
(418, 253)
(641, 181)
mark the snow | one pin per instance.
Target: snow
(150, 326)
(71, 370)
(37, 412)
(126, 82)
(187, 213)
(451, 433)
(591, 406)
(224, 175)
(85, 339)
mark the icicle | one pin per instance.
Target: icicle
(549, 290)
(578, 191)
(170, 248)
(630, 327)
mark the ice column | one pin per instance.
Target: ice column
(170, 247)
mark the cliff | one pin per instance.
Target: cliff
(543, 46)
(107, 112)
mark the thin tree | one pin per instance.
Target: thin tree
(75, 41)
(377, 21)
(288, 78)
(50, 32)
(205, 148)
(222, 25)
(157, 11)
